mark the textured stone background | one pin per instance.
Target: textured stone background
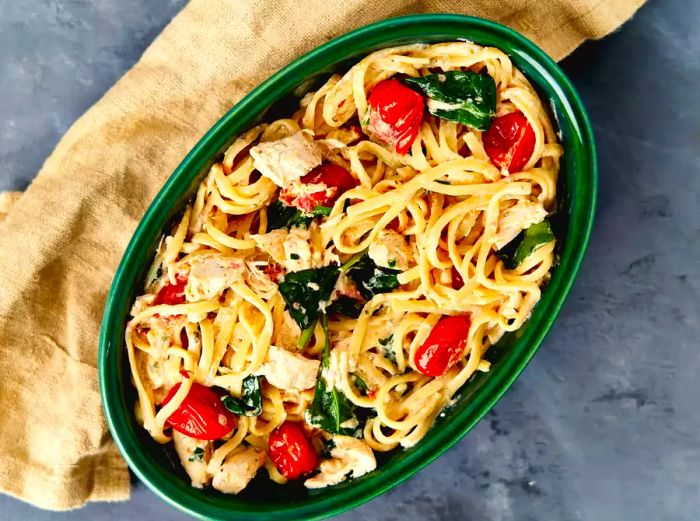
(604, 424)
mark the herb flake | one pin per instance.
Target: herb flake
(197, 455)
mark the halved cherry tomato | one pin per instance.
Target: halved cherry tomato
(172, 293)
(291, 450)
(335, 178)
(443, 347)
(396, 112)
(201, 414)
(509, 141)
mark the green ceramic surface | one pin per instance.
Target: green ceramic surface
(156, 465)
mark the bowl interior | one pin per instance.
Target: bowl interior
(156, 465)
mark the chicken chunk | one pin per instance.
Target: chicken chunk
(210, 274)
(238, 470)
(272, 243)
(349, 455)
(298, 253)
(291, 248)
(515, 219)
(287, 332)
(194, 455)
(287, 159)
(290, 371)
(389, 250)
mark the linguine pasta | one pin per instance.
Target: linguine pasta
(433, 222)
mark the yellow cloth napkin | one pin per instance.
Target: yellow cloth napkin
(61, 241)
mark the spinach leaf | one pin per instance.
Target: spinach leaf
(345, 305)
(463, 96)
(279, 215)
(330, 408)
(527, 241)
(360, 384)
(372, 279)
(250, 402)
(305, 290)
(388, 348)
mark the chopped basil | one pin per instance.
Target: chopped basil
(197, 454)
(372, 279)
(463, 96)
(392, 263)
(304, 291)
(527, 241)
(330, 408)
(388, 348)
(250, 402)
(279, 215)
(345, 305)
(294, 256)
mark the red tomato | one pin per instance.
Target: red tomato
(291, 450)
(443, 347)
(394, 224)
(201, 414)
(509, 141)
(396, 112)
(336, 179)
(274, 272)
(172, 293)
(457, 280)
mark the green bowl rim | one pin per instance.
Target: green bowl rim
(453, 430)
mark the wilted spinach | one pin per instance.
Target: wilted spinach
(250, 402)
(388, 348)
(463, 96)
(304, 290)
(360, 384)
(279, 215)
(330, 408)
(345, 305)
(527, 241)
(372, 279)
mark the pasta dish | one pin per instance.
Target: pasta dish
(341, 273)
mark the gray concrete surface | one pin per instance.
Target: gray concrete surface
(604, 424)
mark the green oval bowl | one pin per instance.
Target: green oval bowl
(155, 464)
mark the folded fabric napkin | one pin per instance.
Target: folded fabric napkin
(61, 241)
